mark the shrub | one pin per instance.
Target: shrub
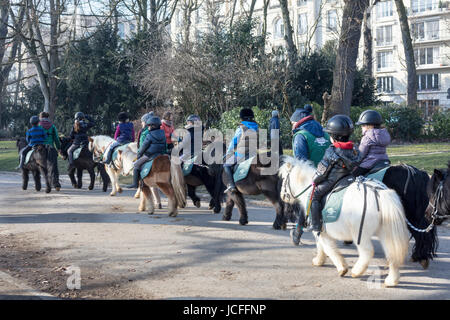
(439, 126)
(403, 122)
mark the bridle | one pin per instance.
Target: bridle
(288, 190)
(437, 200)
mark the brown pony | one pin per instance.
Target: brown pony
(167, 175)
(254, 184)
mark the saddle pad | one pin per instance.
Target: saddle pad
(379, 175)
(146, 168)
(28, 156)
(76, 153)
(241, 169)
(188, 165)
(116, 150)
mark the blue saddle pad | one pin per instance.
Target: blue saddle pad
(241, 169)
(28, 156)
(76, 152)
(146, 168)
(188, 165)
(379, 175)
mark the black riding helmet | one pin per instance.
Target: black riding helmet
(34, 120)
(79, 116)
(154, 122)
(370, 117)
(340, 125)
(247, 114)
(123, 116)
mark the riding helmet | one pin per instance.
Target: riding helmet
(34, 120)
(370, 117)
(300, 113)
(246, 114)
(154, 122)
(193, 118)
(340, 125)
(123, 116)
(79, 116)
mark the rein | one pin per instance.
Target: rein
(287, 186)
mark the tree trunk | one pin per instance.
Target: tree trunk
(345, 67)
(411, 90)
(368, 41)
(291, 48)
(265, 8)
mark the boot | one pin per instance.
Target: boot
(136, 176)
(21, 161)
(296, 234)
(230, 186)
(316, 217)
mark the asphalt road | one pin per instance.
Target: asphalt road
(48, 242)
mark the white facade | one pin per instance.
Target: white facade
(317, 21)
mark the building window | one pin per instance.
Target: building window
(385, 84)
(279, 28)
(428, 30)
(426, 55)
(384, 59)
(121, 31)
(301, 2)
(302, 23)
(428, 82)
(332, 20)
(384, 9)
(302, 49)
(423, 5)
(429, 107)
(384, 35)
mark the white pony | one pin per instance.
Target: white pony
(98, 145)
(387, 222)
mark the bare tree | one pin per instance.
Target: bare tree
(411, 90)
(347, 53)
(289, 34)
(368, 40)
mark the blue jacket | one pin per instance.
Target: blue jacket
(300, 145)
(237, 136)
(126, 132)
(154, 144)
(36, 135)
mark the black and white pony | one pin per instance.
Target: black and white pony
(38, 165)
(383, 216)
(438, 190)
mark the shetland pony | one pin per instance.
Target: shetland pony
(384, 217)
(38, 165)
(84, 162)
(122, 165)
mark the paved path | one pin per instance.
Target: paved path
(120, 253)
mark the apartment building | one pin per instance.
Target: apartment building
(317, 21)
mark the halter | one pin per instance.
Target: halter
(438, 198)
(287, 186)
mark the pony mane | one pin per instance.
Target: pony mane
(302, 169)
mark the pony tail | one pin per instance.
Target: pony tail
(394, 234)
(179, 186)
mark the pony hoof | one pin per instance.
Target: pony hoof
(317, 262)
(210, 207)
(283, 226)
(120, 190)
(159, 206)
(74, 185)
(137, 196)
(390, 282)
(173, 214)
(197, 203)
(90, 188)
(58, 189)
(425, 263)
(112, 194)
(343, 272)
(150, 213)
(48, 190)
(243, 221)
(217, 210)
(276, 226)
(226, 218)
(141, 209)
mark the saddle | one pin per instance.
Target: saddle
(77, 152)
(332, 202)
(188, 165)
(116, 149)
(147, 166)
(379, 170)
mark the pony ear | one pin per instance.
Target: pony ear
(438, 174)
(90, 139)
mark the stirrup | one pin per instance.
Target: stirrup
(230, 188)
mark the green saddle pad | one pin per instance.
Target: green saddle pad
(188, 165)
(28, 156)
(116, 151)
(379, 175)
(333, 206)
(146, 168)
(241, 169)
(76, 153)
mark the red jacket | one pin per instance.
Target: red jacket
(168, 130)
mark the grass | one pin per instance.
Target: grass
(419, 155)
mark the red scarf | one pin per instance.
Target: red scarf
(301, 121)
(343, 145)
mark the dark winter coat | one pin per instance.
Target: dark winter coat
(154, 144)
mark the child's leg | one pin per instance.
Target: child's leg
(23, 154)
(110, 151)
(360, 172)
(70, 152)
